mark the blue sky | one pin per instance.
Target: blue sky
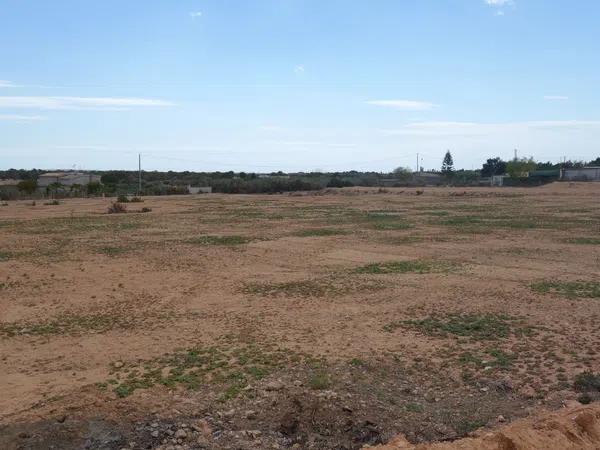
(294, 85)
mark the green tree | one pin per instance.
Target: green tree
(448, 165)
(519, 168)
(94, 188)
(403, 173)
(493, 166)
(27, 186)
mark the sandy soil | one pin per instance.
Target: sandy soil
(338, 319)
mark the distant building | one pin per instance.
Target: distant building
(428, 178)
(67, 179)
(581, 174)
(498, 180)
(9, 189)
(199, 190)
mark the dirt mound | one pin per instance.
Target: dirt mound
(576, 427)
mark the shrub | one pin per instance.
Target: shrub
(122, 198)
(116, 208)
(136, 200)
(52, 203)
(587, 382)
(145, 209)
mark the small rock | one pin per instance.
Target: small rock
(274, 386)
(250, 415)
(118, 365)
(154, 434)
(501, 419)
(228, 414)
(180, 434)
(154, 425)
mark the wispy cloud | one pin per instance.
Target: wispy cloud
(79, 102)
(443, 129)
(500, 3)
(556, 97)
(404, 105)
(7, 84)
(195, 14)
(299, 68)
(20, 118)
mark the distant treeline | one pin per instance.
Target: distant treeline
(164, 183)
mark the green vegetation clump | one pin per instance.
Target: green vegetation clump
(76, 324)
(318, 232)
(319, 287)
(418, 266)
(319, 381)
(113, 251)
(569, 289)
(232, 369)
(116, 208)
(475, 326)
(384, 221)
(584, 241)
(587, 382)
(220, 240)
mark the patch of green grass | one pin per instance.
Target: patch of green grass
(75, 324)
(465, 427)
(386, 221)
(414, 407)
(475, 326)
(356, 362)
(230, 240)
(70, 226)
(502, 359)
(318, 232)
(231, 368)
(319, 287)
(569, 289)
(584, 241)
(5, 255)
(113, 251)
(319, 381)
(418, 266)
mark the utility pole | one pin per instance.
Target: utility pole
(139, 174)
(515, 154)
(417, 163)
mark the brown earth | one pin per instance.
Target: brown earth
(576, 427)
(274, 321)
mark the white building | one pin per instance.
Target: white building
(67, 178)
(581, 174)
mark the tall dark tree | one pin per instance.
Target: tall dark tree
(595, 162)
(448, 164)
(493, 166)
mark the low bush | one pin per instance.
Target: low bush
(116, 208)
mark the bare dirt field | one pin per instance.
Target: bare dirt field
(335, 319)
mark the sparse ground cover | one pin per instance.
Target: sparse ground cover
(325, 321)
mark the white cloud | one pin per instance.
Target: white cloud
(444, 129)
(7, 84)
(299, 68)
(556, 97)
(79, 102)
(20, 118)
(500, 3)
(404, 105)
(195, 14)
